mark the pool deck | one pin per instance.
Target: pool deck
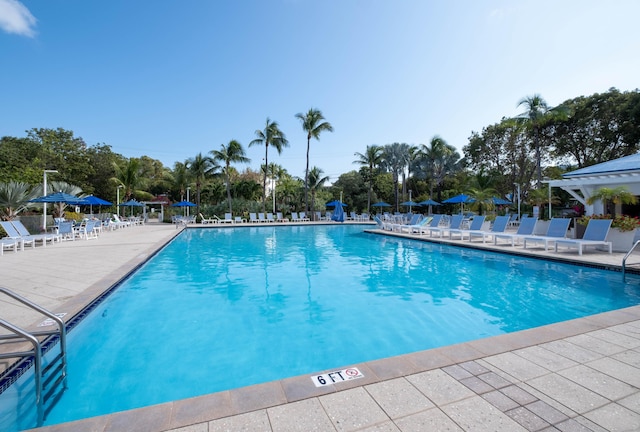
(578, 375)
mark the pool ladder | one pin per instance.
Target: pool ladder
(50, 379)
(624, 260)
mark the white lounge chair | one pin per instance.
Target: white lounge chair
(476, 226)
(499, 225)
(270, 217)
(14, 234)
(9, 243)
(44, 238)
(557, 230)
(527, 225)
(261, 218)
(594, 235)
(204, 220)
(253, 218)
(303, 217)
(454, 223)
(415, 219)
(280, 217)
(424, 221)
(433, 223)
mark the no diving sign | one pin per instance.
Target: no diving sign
(336, 377)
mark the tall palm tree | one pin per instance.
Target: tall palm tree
(181, 178)
(440, 159)
(129, 176)
(394, 159)
(271, 135)
(537, 114)
(372, 158)
(313, 125)
(316, 180)
(232, 152)
(201, 167)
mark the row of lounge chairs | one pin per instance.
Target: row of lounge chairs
(258, 218)
(436, 226)
(18, 236)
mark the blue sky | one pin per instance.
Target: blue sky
(170, 79)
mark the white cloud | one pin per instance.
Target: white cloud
(16, 18)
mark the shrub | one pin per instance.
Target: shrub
(622, 222)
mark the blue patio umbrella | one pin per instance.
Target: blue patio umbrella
(429, 202)
(92, 200)
(338, 213)
(410, 204)
(131, 204)
(335, 204)
(59, 197)
(459, 199)
(381, 204)
(183, 204)
(501, 201)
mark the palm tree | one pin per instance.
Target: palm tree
(270, 136)
(129, 176)
(232, 152)
(372, 158)
(316, 180)
(14, 198)
(181, 177)
(440, 159)
(201, 167)
(394, 159)
(313, 125)
(617, 195)
(537, 114)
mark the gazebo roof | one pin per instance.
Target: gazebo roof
(625, 164)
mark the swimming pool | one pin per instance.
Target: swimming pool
(220, 309)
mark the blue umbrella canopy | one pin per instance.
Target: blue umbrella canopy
(94, 200)
(459, 199)
(381, 204)
(335, 204)
(131, 203)
(59, 197)
(501, 201)
(429, 202)
(183, 204)
(410, 203)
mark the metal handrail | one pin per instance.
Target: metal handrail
(37, 349)
(624, 260)
(37, 362)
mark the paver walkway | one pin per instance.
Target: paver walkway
(580, 375)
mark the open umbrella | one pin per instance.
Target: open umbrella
(409, 204)
(381, 204)
(335, 204)
(92, 200)
(131, 204)
(429, 202)
(59, 197)
(183, 204)
(501, 201)
(459, 199)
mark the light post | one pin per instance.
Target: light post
(273, 193)
(518, 189)
(44, 192)
(409, 200)
(188, 189)
(118, 199)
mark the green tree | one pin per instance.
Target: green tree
(102, 159)
(538, 114)
(181, 178)
(232, 152)
(395, 157)
(201, 168)
(617, 195)
(315, 182)
(272, 136)
(436, 161)
(313, 124)
(129, 176)
(14, 198)
(371, 159)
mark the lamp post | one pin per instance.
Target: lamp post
(273, 193)
(118, 199)
(44, 193)
(188, 189)
(409, 200)
(518, 189)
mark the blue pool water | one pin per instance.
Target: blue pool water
(223, 308)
